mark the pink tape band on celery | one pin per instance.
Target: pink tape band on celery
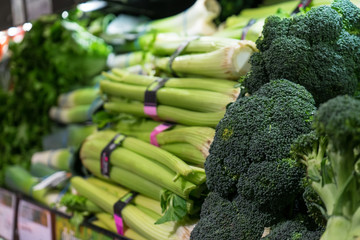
(162, 127)
(119, 224)
(151, 111)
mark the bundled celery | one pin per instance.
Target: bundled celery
(127, 179)
(20, 180)
(129, 59)
(188, 143)
(76, 114)
(60, 159)
(96, 142)
(135, 218)
(166, 113)
(189, 99)
(206, 84)
(145, 160)
(83, 96)
(230, 62)
(40, 170)
(197, 20)
(167, 43)
(76, 134)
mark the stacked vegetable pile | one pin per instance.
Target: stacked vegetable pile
(258, 185)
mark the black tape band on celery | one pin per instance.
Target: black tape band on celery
(150, 100)
(118, 207)
(105, 154)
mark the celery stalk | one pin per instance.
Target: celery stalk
(77, 134)
(186, 152)
(41, 170)
(107, 220)
(18, 179)
(136, 147)
(210, 84)
(197, 20)
(167, 43)
(152, 172)
(190, 99)
(120, 192)
(76, 114)
(167, 113)
(127, 179)
(84, 96)
(58, 159)
(133, 217)
(228, 63)
(100, 224)
(128, 59)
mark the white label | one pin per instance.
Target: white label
(37, 8)
(17, 12)
(7, 214)
(52, 180)
(33, 222)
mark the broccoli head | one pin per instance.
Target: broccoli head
(292, 230)
(271, 185)
(319, 50)
(236, 219)
(256, 129)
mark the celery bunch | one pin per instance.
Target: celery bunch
(189, 101)
(149, 170)
(75, 106)
(191, 144)
(139, 216)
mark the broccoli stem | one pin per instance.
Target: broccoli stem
(337, 227)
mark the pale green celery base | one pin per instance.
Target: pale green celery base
(337, 228)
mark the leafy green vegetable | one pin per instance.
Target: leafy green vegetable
(173, 207)
(54, 57)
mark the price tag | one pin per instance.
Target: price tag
(37, 8)
(7, 214)
(33, 222)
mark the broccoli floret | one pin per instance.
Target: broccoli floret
(339, 120)
(236, 219)
(350, 14)
(272, 184)
(258, 128)
(319, 50)
(332, 158)
(292, 230)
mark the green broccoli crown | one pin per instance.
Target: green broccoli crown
(292, 230)
(350, 14)
(319, 50)
(256, 129)
(272, 185)
(236, 219)
(339, 120)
